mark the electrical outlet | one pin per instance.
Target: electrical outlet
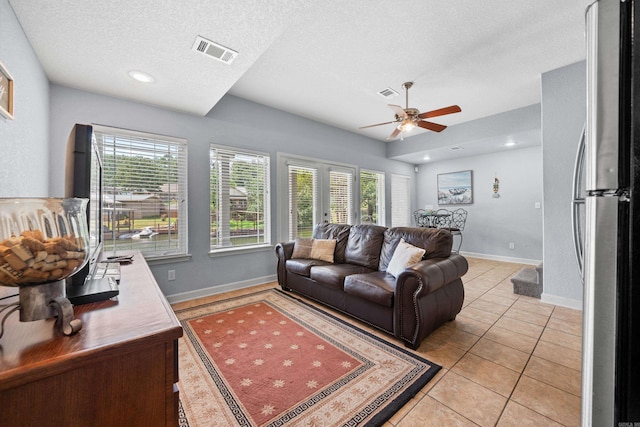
(512, 245)
(171, 275)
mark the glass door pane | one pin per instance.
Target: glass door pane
(341, 197)
(303, 200)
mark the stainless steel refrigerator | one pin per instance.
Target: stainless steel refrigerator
(611, 270)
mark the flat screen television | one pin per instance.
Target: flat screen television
(83, 178)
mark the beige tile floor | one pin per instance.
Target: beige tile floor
(507, 360)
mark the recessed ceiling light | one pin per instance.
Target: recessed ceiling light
(426, 158)
(141, 76)
(510, 144)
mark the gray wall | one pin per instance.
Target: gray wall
(493, 223)
(24, 162)
(234, 122)
(563, 115)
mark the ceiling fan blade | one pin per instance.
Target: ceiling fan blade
(378, 124)
(395, 133)
(398, 110)
(431, 126)
(440, 112)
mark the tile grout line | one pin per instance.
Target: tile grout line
(467, 351)
(520, 374)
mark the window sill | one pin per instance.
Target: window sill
(167, 259)
(237, 251)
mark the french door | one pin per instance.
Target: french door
(316, 192)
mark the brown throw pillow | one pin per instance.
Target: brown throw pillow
(323, 249)
(302, 248)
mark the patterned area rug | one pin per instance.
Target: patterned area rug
(268, 359)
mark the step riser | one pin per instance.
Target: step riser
(525, 282)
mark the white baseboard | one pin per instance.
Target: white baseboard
(561, 301)
(501, 258)
(214, 290)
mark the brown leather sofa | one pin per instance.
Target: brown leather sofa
(410, 306)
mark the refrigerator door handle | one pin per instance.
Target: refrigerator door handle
(578, 203)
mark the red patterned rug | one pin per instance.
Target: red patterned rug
(268, 359)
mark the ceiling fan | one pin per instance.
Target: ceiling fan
(408, 118)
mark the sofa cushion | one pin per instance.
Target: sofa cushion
(436, 242)
(333, 275)
(404, 256)
(364, 244)
(377, 287)
(302, 266)
(338, 232)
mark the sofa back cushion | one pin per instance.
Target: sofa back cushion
(337, 232)
(436, 242)
(364, 245)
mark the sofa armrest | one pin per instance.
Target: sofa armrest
(428, 294)
(284, 251)
(434, 273)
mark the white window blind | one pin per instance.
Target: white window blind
(303, 200)
(400, 216)
(239, 184)
(144, 191)
(341, 197)
(371, 197)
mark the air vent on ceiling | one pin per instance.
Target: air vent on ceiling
(214, 50)
(455, 148)
(388, 93)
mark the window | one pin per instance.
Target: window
(145, 192)
(372, 197)
(400, 216)
(239, 185)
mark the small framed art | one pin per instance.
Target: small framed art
(6, 93)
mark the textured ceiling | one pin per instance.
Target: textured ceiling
(324, 60)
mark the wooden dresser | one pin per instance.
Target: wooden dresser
(121, 369)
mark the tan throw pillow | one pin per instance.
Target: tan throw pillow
(404, 256)
(302, 248)
(323, 249)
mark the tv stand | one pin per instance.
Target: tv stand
(121, 368)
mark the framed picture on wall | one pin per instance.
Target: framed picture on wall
(6, 93)
(455, 188)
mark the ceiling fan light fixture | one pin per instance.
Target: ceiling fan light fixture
(406, 126)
